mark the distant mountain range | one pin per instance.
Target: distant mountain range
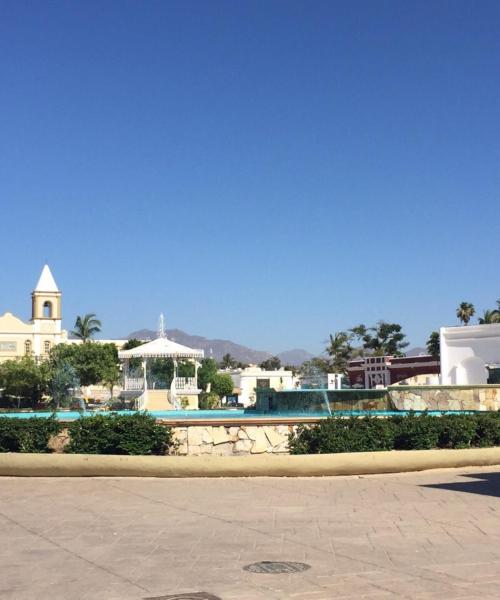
(217, 348)
(416, 352)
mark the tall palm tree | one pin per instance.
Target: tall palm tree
(86, 327)
(465, 312)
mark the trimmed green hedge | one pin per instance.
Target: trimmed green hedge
(138, 433)
(371, 434)
(100, 434)
(27, 435)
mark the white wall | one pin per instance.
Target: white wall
(246, 380)
(465, 352)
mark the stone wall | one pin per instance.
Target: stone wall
(228, 440)
(445, 398)
(218, 440)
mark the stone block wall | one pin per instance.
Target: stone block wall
(445, 398)
(228, 440)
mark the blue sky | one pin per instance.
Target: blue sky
(264, 171)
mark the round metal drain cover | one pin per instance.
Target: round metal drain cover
(269, 566)
(186, 596)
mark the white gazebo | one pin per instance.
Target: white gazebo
(183, 390)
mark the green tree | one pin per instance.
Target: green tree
(92, 362)
(25, 379)
(134, 364)
(161, 371)
(340, 351)
(271, 364)
(385, 339)
(358, 333)
(433, 345)
(63, 380)
(316, 364)
(185, 368)
(228, 362)
(111, 376)
(222, 384)
(465, 312)
(132, 343)
(207, 372)
(86, 327)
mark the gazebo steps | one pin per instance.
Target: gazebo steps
(158, 400)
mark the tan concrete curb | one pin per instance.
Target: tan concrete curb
(358, 463)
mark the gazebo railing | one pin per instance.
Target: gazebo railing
(134, 383)
(186, 383)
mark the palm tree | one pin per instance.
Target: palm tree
(465, 311)
(86, 327)
(490, 316)
(227, 362)
(339, 349)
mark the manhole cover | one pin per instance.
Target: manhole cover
(268, 566)
(186, 596)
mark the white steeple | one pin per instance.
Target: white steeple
(46, 282)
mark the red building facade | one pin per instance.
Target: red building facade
(370, 371)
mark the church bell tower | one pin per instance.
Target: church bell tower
(46, 299)
(46, 315)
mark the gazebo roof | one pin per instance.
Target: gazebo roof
(161, 348)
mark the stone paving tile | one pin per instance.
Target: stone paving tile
(423, 535)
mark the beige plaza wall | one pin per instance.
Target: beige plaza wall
(313, 465)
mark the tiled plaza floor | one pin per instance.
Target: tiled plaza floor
(427, 535)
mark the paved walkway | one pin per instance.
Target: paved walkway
(428, 535)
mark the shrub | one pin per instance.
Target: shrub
(457, 431)
(416, 433)
(411, 432)
(487, 430)
(119, 434)
(208, 400)
(344, 435)
(27, 435)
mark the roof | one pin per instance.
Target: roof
(46, 282)
(161, 348)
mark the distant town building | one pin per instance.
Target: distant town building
(246, 381)
(380, 371)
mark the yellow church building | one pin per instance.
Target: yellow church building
(36, 337)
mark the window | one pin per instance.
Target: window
(263, 383)
(27, 347)
(493, 374)
(46, 347)
(8, 347)
(47, 310)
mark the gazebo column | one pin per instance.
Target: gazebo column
(125, 374)
(196, 366)
(145, 377)
(173, 387)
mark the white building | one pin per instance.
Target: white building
(44, 330)
(247, 380)
(469, 354)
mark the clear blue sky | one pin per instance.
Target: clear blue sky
(264, 171)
